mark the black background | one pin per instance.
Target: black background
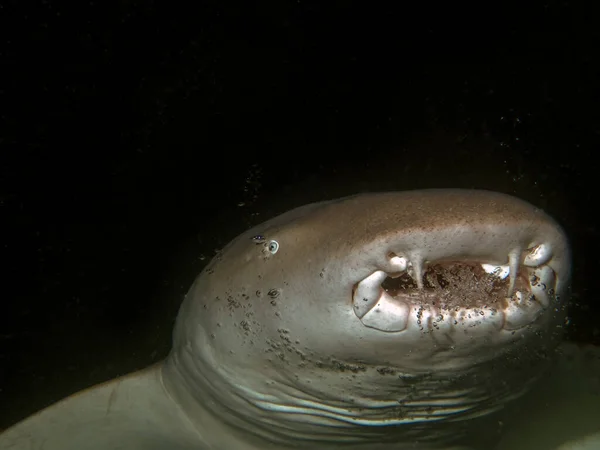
(138, 137)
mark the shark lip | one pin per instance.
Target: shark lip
(452, 294)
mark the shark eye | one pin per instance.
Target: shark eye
(273, 246)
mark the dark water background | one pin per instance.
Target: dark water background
(136, 137)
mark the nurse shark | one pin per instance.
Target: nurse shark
(397, 320)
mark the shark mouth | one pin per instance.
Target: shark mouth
(430, 296)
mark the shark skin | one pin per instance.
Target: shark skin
(397, 320)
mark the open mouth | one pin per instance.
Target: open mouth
(445, 295)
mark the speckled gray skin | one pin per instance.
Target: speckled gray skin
(274, 348)
(275, 341)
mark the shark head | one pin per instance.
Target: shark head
(378, 318)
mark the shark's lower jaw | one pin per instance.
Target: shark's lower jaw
(400, 408)
(451, 295)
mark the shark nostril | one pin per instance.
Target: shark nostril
(367, 293)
